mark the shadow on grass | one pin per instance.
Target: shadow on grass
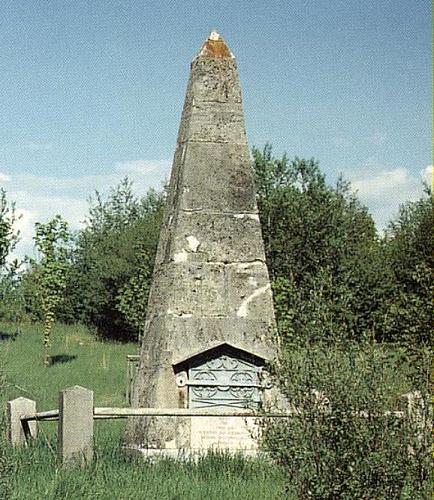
(61, 358)
(8, 336)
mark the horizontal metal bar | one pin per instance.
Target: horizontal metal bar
(41, 415)
(104, 413)
(179, 412)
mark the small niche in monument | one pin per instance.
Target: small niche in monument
(222, 378)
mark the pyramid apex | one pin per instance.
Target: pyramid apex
(215, 47)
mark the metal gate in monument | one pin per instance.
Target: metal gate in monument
(225, 380)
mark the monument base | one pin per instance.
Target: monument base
(189, 454)
(223, 435)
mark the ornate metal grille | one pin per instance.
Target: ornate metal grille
(224, 381)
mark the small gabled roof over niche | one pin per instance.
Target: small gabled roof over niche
(215, 350)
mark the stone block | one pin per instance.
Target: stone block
(226, 238)
(217, 178)
(75, 428)
(207, 83)
(220, 126)
(16, 431)
(187, 289)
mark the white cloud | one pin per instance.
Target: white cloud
(384, 190)
(25, 225)
(382, 183)
(39, 198)
(4, 177)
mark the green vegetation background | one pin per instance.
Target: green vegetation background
(353, 310)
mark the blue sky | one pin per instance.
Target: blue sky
(93, 90)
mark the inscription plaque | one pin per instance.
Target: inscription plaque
(224, 433)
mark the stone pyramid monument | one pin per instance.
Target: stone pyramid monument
(210, 321)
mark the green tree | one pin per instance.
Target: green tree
(51, 240)
(408, 252)
(337, 287)
(132, 298)
(10, 303)
(8, 234)
(322, 251)
(119, 231)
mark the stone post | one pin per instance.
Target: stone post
(75, 429)
(418, 418)
(19, 431)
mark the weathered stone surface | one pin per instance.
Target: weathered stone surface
(16, 409)
(210, 284)
(75, 428)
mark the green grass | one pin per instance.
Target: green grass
(78, 359)
(101, 366)
(114, 476)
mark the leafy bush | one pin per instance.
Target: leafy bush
(341, 442)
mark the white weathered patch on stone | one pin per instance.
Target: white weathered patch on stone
(253, 217)
(244, 307)
(248, 216)
(253, 281)
(180, 257)
(193, 243)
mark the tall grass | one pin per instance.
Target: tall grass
(113, 475)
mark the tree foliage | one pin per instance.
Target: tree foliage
(132, 298)
(322, 251)
(8, 233)
(408, 252)
(339, 289)
(117, 246)
(51, 241)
